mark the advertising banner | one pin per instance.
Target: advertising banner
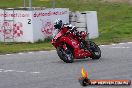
(29, 26)
(43, 21)
(14, 26)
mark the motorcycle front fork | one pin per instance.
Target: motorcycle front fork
(64, 47)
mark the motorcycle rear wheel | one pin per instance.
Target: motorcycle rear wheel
(95, 50)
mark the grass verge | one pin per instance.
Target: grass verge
(24, 47)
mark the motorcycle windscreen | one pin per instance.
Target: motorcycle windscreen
(55, 32)
(58, 35)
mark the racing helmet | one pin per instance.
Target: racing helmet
(58, 24)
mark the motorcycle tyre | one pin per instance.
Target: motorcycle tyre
(59, 52)
(62, 55)
(94, 56)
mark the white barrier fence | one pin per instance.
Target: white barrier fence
(32, 25)
(29, 26)
(86, 21)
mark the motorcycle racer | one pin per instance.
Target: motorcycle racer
(70, 44)
(59, 25)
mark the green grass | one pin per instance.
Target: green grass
(115, 21)
(23, 47)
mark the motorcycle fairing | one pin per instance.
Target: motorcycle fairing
(78, 52)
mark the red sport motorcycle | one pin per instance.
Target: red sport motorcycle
(70, 46)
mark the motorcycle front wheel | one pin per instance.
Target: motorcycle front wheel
(95, 50)
(65, 55)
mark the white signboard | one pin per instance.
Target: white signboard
(43, 21)
(29, 26)
(92, 24)
(14, 26)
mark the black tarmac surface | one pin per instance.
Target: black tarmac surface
(44, 69)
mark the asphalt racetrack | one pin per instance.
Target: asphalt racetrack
(44, 69)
